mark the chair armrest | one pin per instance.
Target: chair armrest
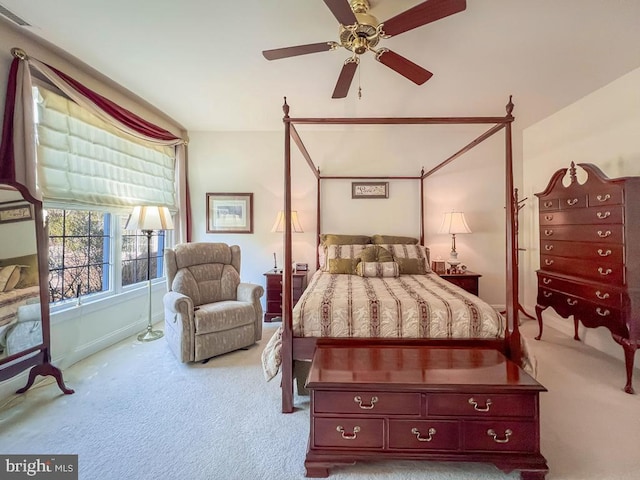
(249, 292)
(175, 302)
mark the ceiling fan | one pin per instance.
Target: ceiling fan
(361, 32)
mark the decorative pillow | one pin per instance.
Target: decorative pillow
(390, 239)
(29, 274)
(334, 239)
(343, 265)
(376, 253)
(411, 266)
(340, 251)
(9, 277)
(410, 251)
(377, 269)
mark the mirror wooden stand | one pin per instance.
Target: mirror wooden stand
(24, 297)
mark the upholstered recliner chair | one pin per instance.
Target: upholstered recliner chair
(207, 310)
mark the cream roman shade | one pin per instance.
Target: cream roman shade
(83, 161)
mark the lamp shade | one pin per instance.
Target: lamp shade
(454, 222)
(278, 226)
(149, 218)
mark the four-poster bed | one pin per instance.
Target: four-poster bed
(302, 348)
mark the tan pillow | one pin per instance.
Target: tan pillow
(343, 265)
(335, 239)
(375, 253)
(377, 269)
(411, 266)
(9, 277)
(387, 239)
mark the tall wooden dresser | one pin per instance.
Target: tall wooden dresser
(590, 255)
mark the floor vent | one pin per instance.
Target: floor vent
(13, 17)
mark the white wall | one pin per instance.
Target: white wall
(601, 128)
(253, 162)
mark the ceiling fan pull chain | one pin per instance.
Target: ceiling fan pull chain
(359, 87)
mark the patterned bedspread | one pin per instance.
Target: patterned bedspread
(408, 306)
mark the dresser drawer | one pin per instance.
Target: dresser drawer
(601, 294)
(511, 436)
(348, 433)
(611, 253)
(607, 233)
(606, 195)
(584, 216)
(424, 434)
(488, 404)
(594, 270)
(363, 403)
(563, 202)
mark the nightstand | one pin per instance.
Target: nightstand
(467, 280)
(274, 292)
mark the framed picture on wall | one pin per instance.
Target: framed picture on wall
(229, 212)
(369, 189)
(16, 213)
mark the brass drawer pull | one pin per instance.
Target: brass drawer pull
(548, 218)
(605, 253)
(602, 234)
(348, 436)
(572, 302)
(546, 281)
(358, 400)
(431, 432)
(547, 294)
(601, 271)
(602, 296)
(548, 204)
(548, 248)
(507, 433)
(603, 215)
(572, 201)
(548, 233)
(480, 409)
(603, 313)
(548, 262)
(603, 198)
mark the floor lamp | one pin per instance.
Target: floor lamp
(148, 219)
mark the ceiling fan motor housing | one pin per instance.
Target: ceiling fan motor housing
(360, 37)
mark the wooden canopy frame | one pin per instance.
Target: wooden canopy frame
(303, 348)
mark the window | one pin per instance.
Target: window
(89, 250)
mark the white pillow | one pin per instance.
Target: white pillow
(9, 277)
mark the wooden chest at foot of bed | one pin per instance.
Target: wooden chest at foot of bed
(417, 403)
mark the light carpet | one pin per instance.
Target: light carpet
(139, 414)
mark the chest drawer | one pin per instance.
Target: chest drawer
(363, 403)
(512, 436)
(606, 195)
(506, 405)
(594, 270)
(600, 294)
(424, 435)
(601, 252)
(606, 233)
(348, 433)
(594, 216)
(563, 202)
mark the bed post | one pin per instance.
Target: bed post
(512, 333)
(287, 326)
(318, 219)
(422, 207)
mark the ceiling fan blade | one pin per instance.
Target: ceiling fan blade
(342, 11)
(344, 80)
(421, 14)
(404, 67)
(278, 53)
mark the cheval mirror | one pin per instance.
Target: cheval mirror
(24, 297)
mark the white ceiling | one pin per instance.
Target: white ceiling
(200, 61)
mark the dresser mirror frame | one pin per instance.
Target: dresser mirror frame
(37, 356)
